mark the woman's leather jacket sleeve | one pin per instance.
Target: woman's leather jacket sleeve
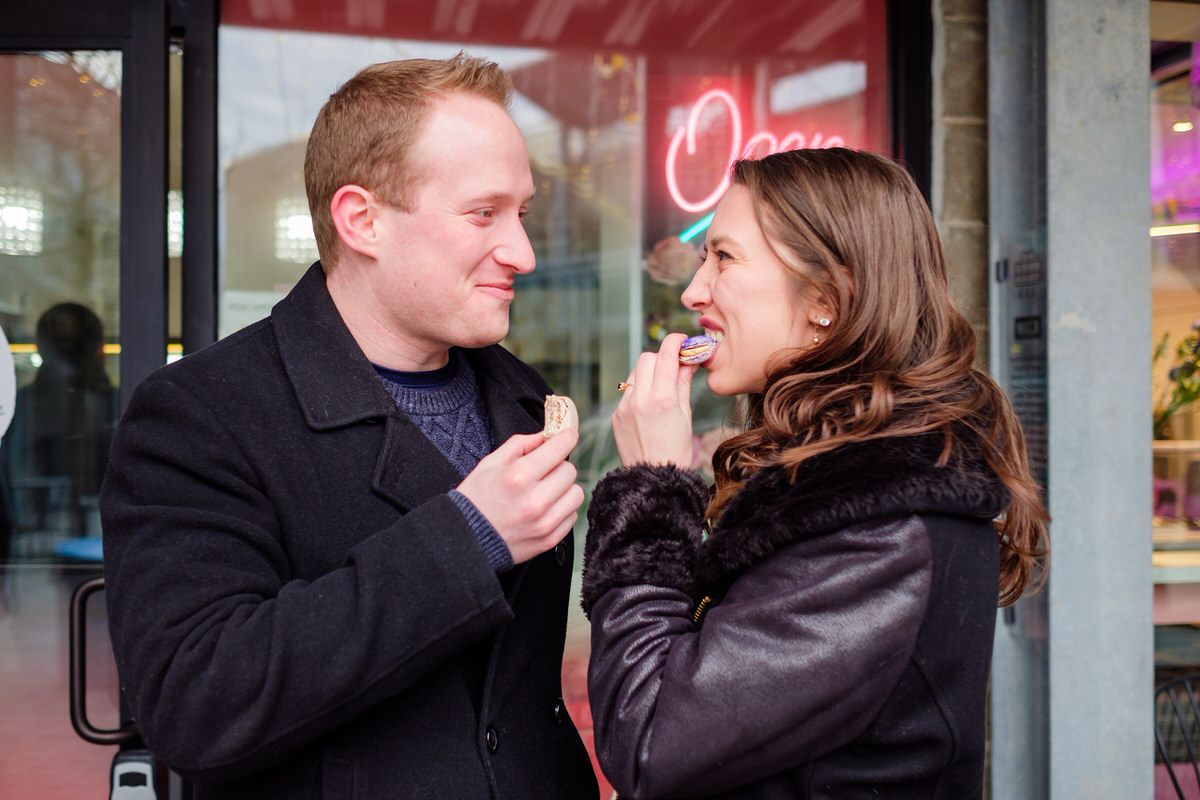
(795, 660)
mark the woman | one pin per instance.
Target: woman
(821, 625)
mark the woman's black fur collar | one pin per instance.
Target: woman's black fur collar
(855, 483)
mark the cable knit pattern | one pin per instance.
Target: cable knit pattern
(454, 419)
(452, 416)
(644, 526)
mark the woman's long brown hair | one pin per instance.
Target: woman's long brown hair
(899, 358)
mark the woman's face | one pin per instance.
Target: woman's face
(746, 298)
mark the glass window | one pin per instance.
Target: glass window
(59, 294)
(1175, 327)
(632, 116)
(59, 270)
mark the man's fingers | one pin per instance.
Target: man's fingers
(552, 452)
(566, 508)
(518, 445)
(552, 487)
(563, 529)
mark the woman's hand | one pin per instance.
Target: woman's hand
(653, 422)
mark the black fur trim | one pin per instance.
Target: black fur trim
(643, 528)
(855, 483)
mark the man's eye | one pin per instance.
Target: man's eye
(486, 213)
(523, 214)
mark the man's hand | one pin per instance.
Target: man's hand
(527, 490)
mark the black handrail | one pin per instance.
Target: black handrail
(77, 641)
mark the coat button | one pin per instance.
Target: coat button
(492, 738)
(560, 554)
(560, 711)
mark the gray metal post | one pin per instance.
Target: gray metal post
(1073, 673)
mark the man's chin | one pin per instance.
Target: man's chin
(482, 337)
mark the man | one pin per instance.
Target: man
(320, 581)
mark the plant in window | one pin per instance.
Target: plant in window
(1183, 379)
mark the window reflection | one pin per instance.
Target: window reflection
(20, 221)
(59, 291)
(632, 119)
(62, 427)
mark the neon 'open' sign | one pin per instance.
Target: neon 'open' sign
(794, 140)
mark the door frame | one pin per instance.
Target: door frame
(143, 31)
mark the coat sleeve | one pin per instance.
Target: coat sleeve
(795, 661)
(227, 664)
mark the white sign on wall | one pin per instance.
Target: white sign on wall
(8, 384)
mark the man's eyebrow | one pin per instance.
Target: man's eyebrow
(499, 197)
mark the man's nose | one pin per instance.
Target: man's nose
(515, 251)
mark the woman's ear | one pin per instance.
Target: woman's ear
(353, 210)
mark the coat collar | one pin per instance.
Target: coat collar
(336, 387)
(853, 484)
(334, 383)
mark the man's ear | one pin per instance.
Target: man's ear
(353, 209)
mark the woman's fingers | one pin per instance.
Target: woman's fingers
(666, 366)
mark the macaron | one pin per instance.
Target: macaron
(697, 349)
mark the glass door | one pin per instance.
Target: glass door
(83, 276)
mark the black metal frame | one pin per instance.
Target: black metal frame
(144, 195)
(910, 91)
(141, 30)
(199, 21)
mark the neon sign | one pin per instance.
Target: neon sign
(794, 140)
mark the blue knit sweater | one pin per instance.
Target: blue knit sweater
(445, 404)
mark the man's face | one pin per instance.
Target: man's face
(445, 277)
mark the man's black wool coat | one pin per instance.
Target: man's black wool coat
(298, 609)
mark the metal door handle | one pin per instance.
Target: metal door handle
(77, 646)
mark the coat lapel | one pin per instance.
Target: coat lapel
(334, 383)
(337, 387)
(410, 470)
(514, 405)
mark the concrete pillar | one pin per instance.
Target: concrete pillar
(1069, 121)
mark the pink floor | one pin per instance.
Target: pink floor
(40, 754)
(1163, 790)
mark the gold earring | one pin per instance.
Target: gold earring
(824, 322)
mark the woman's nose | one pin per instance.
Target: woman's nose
(696, 296)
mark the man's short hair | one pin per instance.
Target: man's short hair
(364, 133)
